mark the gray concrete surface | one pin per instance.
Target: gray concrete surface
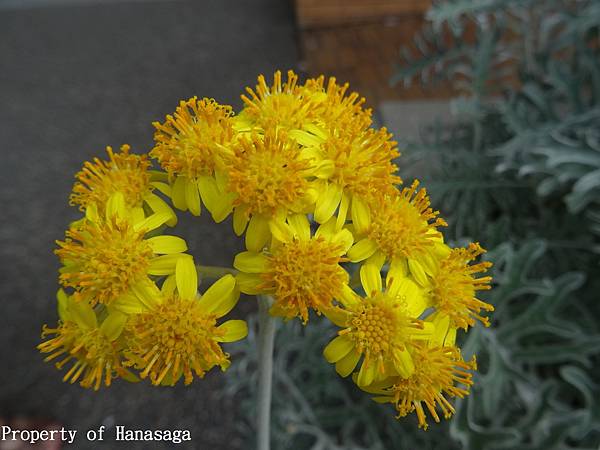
(74, 79)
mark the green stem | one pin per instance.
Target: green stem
(214, 271)
(266, 338)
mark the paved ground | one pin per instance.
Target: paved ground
(73, 79)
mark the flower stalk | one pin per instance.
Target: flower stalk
(266, 338)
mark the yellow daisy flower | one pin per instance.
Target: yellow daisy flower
(124, 172)
(91, 346)
(352, 165)
(105, 256)
(380, 327)
(269, 177)
(438, 374)
(300, 271)
(190, 146)
(175, 333)
(453, 288)
(401, 229)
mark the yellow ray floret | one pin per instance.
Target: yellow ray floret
(301, 272)
(380, 327)
(454, 287)
(176, 334)
(105, 256)
(440, 372)
(91, 348)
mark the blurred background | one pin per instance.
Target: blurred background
(495, 105)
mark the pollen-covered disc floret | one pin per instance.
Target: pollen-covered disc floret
(268, 174)
(193, 140)
(99, 180)
(454, 287)
(440, 372)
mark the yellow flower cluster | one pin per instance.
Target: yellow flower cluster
(328, 225)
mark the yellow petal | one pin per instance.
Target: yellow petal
(157, 204)
(147, 293)
(250, 262)
(258, 233)
(169, 285)
(305, 139)
(345, 239)
(377, 259)
(441, 324)
(91, 213)
(347, 364)
(450, 337)
(113, 325)
(167, 244)
(115, 206)
(348, 297)
(362, 250)
(300, 226)
(343, 211)
(398, 270)
(370, 279)
(327, 202)
(62, 305)
(221, 297)
(367, 373)
(339, 347)
(152, 222)
(192, 198)
(83, 314)
(162, 187)
(248, 283)
(128, 304)
(240, 220)
(417, 271)
(178, 193)
(336, 315)
(361, 215)
(165, 264)
(403, 363)
(281, 230)
(324, 169)
(186, 278)
(234, 331)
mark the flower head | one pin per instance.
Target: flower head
(92, 348)
(401, 227)
(381, 327)
(124, 172)
(105, 256)
(194, 139)
(176, 335)
(439, 373)
(454, 286)
(301, 272)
